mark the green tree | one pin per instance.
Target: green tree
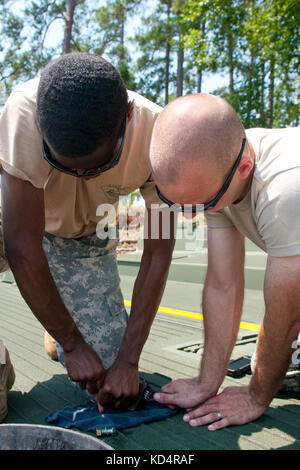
(153, 68)
(179, 46)
(112, 20)
(193, 18)
(271, 38)
(163, 67)
(24, 31)
(257, 42)
(85, 27)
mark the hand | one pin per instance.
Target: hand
(185, 393)
(120, 386)
(237, 405)
(84, 366)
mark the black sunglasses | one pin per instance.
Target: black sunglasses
(215, 200)
(70, 171)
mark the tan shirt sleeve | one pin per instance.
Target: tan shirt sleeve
(149, 193)
(278, 214)
(20, 141)
(218, 219)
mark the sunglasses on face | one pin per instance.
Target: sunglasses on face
(92, 172)
(215, 200)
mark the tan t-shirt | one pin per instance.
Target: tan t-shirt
(269, 215)
(71, 203)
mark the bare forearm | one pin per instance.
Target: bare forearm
(222, 309)
(147, 293)
(280, 326)
(273, 357)
(38, 288)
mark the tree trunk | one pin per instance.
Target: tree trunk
(122, 34)
(167, 71)
(69, 19)
(200, 74)
(230, 63)
(250, 88)
(271, 94)
(167, 62)
(199, 81)
(180, 59)
(262, 96)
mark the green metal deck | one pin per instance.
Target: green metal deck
(172, 350)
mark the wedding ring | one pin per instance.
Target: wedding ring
(219, 414)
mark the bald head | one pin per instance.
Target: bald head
(193, 131)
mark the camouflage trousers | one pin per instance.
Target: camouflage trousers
(86, 274)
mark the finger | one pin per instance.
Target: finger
(215, 400)
(173, 399)
(206, 419)
(101, 408)
(99, 384)
(168, 387)
(199, 412)
(222, 423)
(95, 389)
(165, 398)
(122, 403)
(105, 396)
(92, 387)
(99, 405)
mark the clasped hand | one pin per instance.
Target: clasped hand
(120, 386)
(116, 386)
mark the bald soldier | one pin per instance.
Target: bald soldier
(248, 182)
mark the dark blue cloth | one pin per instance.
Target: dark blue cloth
(87, 417)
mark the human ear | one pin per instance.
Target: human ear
(245, 167)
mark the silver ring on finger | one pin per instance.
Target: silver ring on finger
(219, 415)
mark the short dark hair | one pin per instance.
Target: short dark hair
(81, 102)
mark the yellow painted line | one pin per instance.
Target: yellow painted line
(196, 316)
(249, 326)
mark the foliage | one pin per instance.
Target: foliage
(173, 44)
(258, 42)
